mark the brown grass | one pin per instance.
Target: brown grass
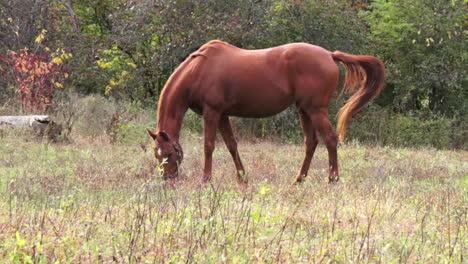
(93, 202)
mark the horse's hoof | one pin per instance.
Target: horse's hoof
(242, 182)
(333, 181)
(296, 182)
(242, 179)
(299, 179)
(206, 180)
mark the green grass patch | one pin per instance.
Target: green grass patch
(94, 202)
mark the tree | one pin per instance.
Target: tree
(423, 44)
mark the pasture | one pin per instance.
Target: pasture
(95, 202)
(107, 74)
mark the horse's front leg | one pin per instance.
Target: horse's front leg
(211, 121)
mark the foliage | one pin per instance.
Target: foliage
(380, 125)
(67, 110)
(423, 44)
(126, 50)
(35, 76)
(94, 116)
(333, 25)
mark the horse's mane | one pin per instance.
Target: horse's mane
(212, 45)
(188, 67)
(202, 52)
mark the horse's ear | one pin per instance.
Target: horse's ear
(152, 133)
(164, 135)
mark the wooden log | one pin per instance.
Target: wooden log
(24, 120)
(42, 125)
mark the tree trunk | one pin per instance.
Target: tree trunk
(73, 17)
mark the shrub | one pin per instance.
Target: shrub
(35, 76)
(124, 122)
(382, 126)
(95, 116)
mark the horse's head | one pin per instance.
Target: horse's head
(168, 152)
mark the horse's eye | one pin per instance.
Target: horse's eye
(169, 155)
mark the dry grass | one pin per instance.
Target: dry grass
(92, 202)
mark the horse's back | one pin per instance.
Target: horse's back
(293, 60)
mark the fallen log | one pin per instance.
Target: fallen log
(42, 125)
(24, 120)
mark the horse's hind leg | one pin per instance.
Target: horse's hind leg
(231, 144)
(323, 125)
(310, 141)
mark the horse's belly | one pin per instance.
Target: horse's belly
(262, 107)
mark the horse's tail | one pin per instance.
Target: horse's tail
(365, 76)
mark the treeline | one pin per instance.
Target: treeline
(126, 49)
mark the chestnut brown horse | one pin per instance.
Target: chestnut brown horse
(220, 80)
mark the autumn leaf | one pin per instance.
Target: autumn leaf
(41, 36)
(59, 85)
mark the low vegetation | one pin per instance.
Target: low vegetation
(96, 195)
(90, 201)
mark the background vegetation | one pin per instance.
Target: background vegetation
(126, 50)
(98, 67)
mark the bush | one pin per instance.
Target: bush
(67, 110)
(193, 122)
(123, 122)
(96, 114)
(382, 126)
(119, 121)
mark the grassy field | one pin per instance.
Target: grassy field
(93, 202)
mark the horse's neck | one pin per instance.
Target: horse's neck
(173, 103)
(171, 113)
